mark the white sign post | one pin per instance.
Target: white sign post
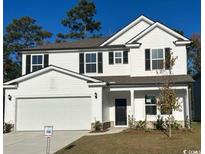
(48, 132)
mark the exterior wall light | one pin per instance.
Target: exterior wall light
(96, 95)
(9, 97)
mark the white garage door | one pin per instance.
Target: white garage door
(62, 113)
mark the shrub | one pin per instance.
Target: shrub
(98, 126)
(7, 127)
(176, 125)
(140, 124)
(160, 123)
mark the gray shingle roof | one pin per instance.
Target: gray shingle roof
(86, 43)
(127, 80)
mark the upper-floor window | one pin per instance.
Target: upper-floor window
(91, 63)
(36, 62)
(118, 57)
(157, 59)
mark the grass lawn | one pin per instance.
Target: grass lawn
(136, 141)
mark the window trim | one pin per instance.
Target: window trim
(114, 57)
(151, 104)
(96, 62)
(151, 59)
(31, 67)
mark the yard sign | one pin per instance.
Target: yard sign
(48, 131)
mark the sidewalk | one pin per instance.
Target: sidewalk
(110, 131)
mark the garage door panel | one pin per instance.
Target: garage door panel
(62, 113)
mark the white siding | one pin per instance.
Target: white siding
(55, 84)
(68, 60)
(105, 106)
(96, 104)
(157, 38)
(9, 116)
(112, 69)
(52, 84)
(132, 32)
(140, 106)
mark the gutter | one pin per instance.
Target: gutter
(5, 86)
(97, 84)
(186, 42)
(115, 47)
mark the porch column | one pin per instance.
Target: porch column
(132, 102)
(187, 105)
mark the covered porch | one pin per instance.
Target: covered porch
(121, 103)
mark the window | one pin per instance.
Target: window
(157, 59)
(90, 61)
(150, 105)
(37, 62)
(118, 57)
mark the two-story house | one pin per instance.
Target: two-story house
(71, 85)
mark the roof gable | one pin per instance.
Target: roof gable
(128, 27)
(161, 26)
(51, 68)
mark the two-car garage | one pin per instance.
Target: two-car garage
(60, 112)
(63, 99)
(52, 96)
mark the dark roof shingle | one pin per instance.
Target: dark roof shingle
(127, 80)
(86, 43)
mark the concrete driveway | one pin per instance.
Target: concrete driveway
(35, 142)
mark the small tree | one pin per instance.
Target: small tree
(168, 100)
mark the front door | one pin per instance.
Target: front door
(120, 112)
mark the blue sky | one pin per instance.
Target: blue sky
(113, 14)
